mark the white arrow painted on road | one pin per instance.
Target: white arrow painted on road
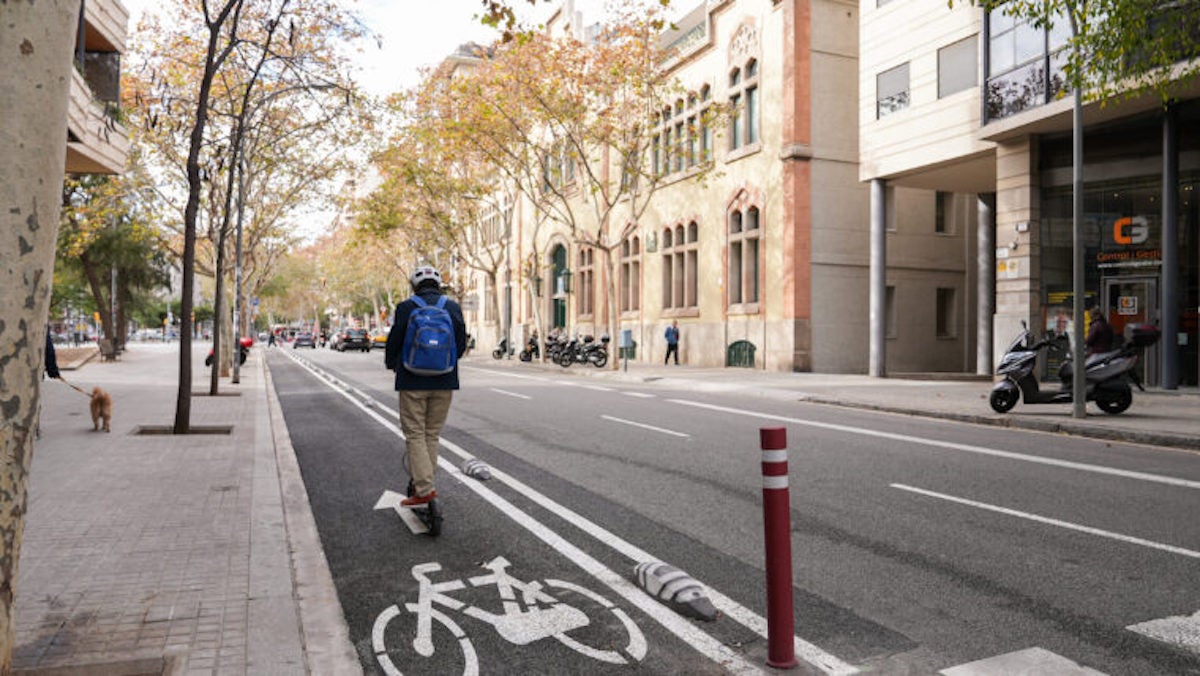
(391, 500)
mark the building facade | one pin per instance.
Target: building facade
(97, 143)
(972, 107)
(763, 261)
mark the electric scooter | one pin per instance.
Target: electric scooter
(1108, 374)
(430, 513)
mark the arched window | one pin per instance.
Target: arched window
(744, 101)
(631, 275)
(682, 138)
(681, 267)
(744, 257)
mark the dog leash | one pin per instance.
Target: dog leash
(77, 389)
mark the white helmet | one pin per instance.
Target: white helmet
(422, 273)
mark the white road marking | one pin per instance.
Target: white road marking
(391, 500)
(806, 651)
(598, 388)
(1179, 630)
(1053, 522)
(640, 395)
(644, 426)
(982, 450)
(1030, 662)
(685, 630)
(511, 394)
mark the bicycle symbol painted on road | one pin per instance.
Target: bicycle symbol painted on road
(530, 613)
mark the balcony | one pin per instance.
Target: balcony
(105, 25)
(96, 143)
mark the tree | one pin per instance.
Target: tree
(576, 119)
(35, 47)
(257, 81)
(106, 240)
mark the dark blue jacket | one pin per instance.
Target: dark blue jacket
(51, 360)
(395, 342)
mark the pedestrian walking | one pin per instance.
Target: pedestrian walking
(271, 339)
(427, 338)
(672, 336)
(1100, 333)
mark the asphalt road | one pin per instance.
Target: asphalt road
(917, 544)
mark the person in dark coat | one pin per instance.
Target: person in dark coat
(424, 400)
(1100, 334)
(51, 359)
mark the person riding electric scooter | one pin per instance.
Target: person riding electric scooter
(1108, 373)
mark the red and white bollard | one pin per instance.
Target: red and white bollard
(777, 527)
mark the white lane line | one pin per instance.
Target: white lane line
(982, 450)
(1179, 630)
(1053, 522)
(644, 426)
(598, 388)
(672, 621)
(640, 395)
(511, 394)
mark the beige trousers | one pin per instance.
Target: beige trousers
(422, 416)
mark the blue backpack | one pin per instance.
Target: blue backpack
(429, 348)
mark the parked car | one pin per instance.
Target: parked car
(304, 340)
(335, 337)
(355, 339)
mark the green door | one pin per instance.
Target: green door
(559, 260)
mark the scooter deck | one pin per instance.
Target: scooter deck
(421, 520)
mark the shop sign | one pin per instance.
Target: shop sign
(1127, 305)
(1130, 243)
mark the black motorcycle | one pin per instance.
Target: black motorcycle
(1108, 374)
(531, 351)
(585, 351)
(502, 349)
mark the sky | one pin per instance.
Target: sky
(413, 34)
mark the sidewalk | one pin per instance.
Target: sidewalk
(153, 554)
(1158, 417)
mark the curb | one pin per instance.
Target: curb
(1149, 438)
(324, 632)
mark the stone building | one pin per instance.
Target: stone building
(963, 115)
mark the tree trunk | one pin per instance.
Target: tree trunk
(103, 305)
(35, 41)
(122, 303)
(610, 284)
(218, 319)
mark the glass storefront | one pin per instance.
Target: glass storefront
(1122, 234)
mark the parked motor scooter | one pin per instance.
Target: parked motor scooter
(502, 349)
(246, 342)
(531, 351)
(585, 351)
(1108, 374)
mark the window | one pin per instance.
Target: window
(943, 211)
(945, 313)
(957, 65)
(631, 274)
(683, 139)
(680, 250)
(891, 91)
(743, 256)
(1025, 64)
(585, 288)
(489, 306)
(743, 102)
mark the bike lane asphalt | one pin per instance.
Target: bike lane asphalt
(349, 456)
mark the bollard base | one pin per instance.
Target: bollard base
(786, 664)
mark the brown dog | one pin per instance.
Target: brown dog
(101, 409)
